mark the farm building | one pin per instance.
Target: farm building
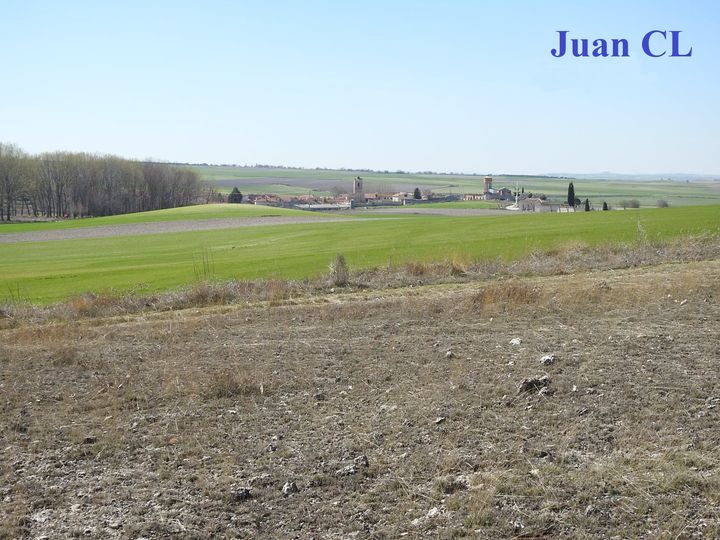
(490, 194)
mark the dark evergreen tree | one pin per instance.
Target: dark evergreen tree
(571, 195)
(587, 205)
(417, 194)
(235, 196)
(605, 206)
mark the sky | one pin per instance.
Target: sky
(463, 86)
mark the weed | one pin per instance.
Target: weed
(339, 271)
(204, 266)
(505, 296)
(229, 383)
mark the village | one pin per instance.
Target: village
(506, 198)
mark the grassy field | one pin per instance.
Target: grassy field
(204, 211)
(302, 181)
(48, 271)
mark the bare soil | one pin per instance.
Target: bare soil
(375, 414)
(160, 227)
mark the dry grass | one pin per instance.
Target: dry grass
(118, 424)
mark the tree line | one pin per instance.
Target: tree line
(65, 184)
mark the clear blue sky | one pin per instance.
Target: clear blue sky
(423, 85)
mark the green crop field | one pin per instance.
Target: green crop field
(320, 182)
(48, 271)
(203, 211)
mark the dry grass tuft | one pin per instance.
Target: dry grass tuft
(458, 266)
(277, 290)
(339, 271)
(64, 354)
(505, 296)
(229, 383)
(417, 269)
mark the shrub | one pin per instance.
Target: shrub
(339, 272)
(662, 203)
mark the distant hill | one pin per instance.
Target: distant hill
(679, 177)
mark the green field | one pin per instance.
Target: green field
(49, 271)
(203, 211)
(304, 181)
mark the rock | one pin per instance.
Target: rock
(548, 359)
(515, 342)
(683, 302)
(432, 513)
(89, 440)
(440, 419)
(462, 482)
(320, 397)
(533, 384)
(241, 493)
(289, 488)
(449, 484)
(449, 354)
(348, 470)
(360, 462)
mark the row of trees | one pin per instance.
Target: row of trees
(573, 201)
(63, 184)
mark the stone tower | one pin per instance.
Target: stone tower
(358, 194)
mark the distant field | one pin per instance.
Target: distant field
(204, 211)
(48, 271)
(320, 182)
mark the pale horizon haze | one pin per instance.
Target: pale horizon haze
(462, 86)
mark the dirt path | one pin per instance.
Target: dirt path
(134, 229)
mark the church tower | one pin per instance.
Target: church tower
(358, 194)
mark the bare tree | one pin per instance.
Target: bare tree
(72, 184)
